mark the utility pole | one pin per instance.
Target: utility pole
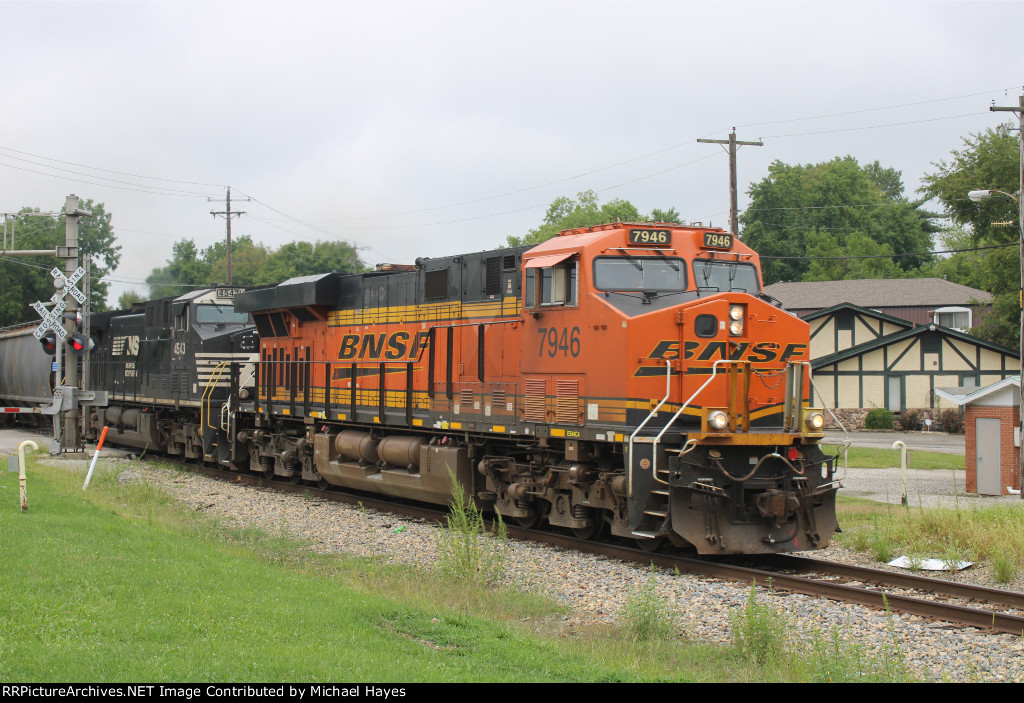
(69, 253)
(1020, 221)
(734, 219)
(228, 214)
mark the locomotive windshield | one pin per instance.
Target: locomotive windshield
(640, 273)
(725, 276)
(220, 315)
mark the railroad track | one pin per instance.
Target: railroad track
(887, 590)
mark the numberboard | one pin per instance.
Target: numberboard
(652, 237)
(717, 240)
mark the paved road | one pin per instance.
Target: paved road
(928, 441)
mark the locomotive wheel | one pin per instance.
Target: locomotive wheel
(322, 484)
(529, 522)
(592, 532)
(650, 545)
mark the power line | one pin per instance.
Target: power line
(878, 126)
(874, 109)
(142, 189)
(887, 256)
(105, 170)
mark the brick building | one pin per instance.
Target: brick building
(992, 449)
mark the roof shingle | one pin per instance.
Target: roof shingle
(876, 293)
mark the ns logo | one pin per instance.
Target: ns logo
(125, 346)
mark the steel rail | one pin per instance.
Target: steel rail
(952, 589)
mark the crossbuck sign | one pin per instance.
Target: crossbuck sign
(51, 318)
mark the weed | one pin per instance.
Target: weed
(880, 544)
(1004, 566)
(760, 630)
(953, 554)
(646, 614)
(463, 550)
(835, 660)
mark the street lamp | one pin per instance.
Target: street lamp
(977, 196)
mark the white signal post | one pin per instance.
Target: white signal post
(22, 480)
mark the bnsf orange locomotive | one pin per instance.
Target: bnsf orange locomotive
(630, 379)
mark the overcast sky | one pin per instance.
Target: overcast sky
(433, 128)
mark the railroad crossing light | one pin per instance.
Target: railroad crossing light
(80, 344)
(49, 342)
(75, 317)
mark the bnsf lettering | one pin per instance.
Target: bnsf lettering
(392, 347)
(397, 345)
(372, 346)
(666, 349)
(735, 351)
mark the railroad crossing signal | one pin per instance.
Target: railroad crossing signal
(49, 341)
(80, 344)
(69, 285)
(51, 320)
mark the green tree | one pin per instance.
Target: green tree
(858, 244)
(585, 211)
(836, 205)
(184, 271)
(25, 280)
(989, 160)
(252, 264)
(129, 298)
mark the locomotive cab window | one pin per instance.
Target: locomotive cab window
(220, 315)
(655, 274)
(725, 276)
(548, 286)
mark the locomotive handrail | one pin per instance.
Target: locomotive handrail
(657, 439)
(211, 383)
(668, 392)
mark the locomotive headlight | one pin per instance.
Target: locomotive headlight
(815, 421)
(718, 420)
(735, 320)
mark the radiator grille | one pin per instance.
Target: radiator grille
(498, 399)
(534, 400)
(567, 402)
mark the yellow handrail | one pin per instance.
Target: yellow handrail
(215, 375)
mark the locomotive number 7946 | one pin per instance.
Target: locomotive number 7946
(565, 342)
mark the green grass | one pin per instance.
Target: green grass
(121, 584)
(993, 534)
(118, 585)
(867, 458)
